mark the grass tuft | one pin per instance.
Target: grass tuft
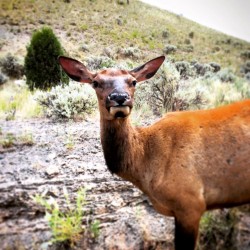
(66, 222)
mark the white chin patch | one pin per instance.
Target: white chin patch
(120, 111)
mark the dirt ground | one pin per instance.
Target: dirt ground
(69, 154)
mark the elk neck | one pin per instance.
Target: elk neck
(123, 148)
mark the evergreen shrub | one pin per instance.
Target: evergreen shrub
(41, 67)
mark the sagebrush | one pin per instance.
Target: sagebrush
(184, 86)
(11, 66)
(68, 101)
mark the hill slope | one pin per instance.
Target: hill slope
(90, 27)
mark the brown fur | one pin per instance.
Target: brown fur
(187, 163)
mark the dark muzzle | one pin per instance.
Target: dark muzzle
(119, 98)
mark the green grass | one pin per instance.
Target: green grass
(26, 139)
(66, 222)
(69, 142)
(8, 140)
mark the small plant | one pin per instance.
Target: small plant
(41, 67)
(246, 54)
(8, 140)
(26, 139)
(95, 228)
(165, 34)
(188, 48)
(84, 27)
(132, 52)
(11, 67)
(67, 102)
(99, 62)
(185, 70)
(245, 69)
(187, 41)
(66, 223)
(69, 144)
(109, 52)
(202, 69)
(216, 66)
(169, 49)
(121, 2)
(226, 75)
(191, 34)
(216, 229)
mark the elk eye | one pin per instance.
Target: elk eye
(95, 84)
(134, 83)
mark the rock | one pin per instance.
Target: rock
(117, 202)
(52, 156)
(52, 171)
(79, 170)
(136, 230)
(51, 191)
(70, 157)
(242, 232)
(20, 82)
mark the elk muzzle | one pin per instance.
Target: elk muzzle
(119, 104)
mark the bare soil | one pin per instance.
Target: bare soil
(69, 154)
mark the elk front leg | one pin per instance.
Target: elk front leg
(186, 231)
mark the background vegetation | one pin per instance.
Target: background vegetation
(204, 68)
(42, 70)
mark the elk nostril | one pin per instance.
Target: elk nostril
(113, 96)
(120, 98)
(124, 96)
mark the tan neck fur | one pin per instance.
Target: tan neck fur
(123, 148)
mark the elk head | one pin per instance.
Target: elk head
(114, 88)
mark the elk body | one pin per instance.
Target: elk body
(186, 163)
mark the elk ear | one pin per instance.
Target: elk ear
(148, 69)
(75, 70)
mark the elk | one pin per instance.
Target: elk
(186, 163)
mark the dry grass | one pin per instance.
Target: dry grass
(17, 102)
